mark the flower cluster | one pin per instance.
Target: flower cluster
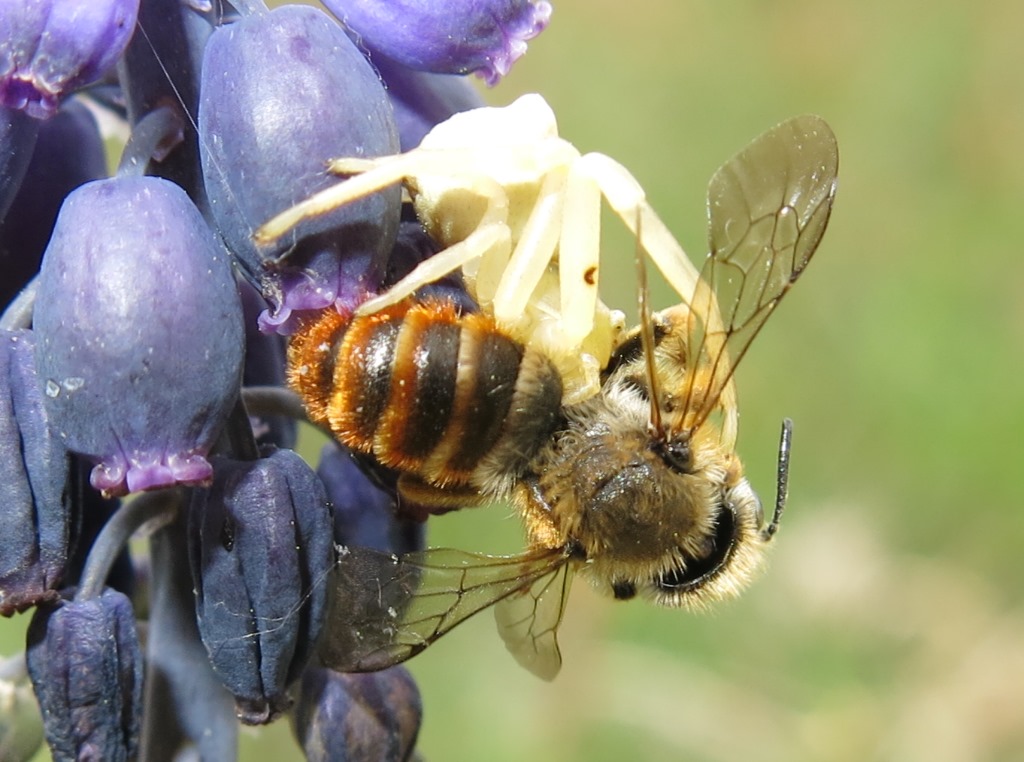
(142, 350)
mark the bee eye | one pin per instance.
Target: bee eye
(623, 590)
(699, 569)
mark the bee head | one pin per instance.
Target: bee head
(724, 559)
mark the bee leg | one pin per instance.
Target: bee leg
(533, 252)
(537, 513)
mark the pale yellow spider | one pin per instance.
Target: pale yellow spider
(518, 209)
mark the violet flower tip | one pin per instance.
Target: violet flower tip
(109, 477)
(148, 477)
(29, 96)
(192, 469)
(275, 320)
(115, 477)
(531, 23)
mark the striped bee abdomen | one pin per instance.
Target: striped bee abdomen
(443, 396)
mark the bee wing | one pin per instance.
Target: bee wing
(528, 621)
(767, 211)
(386, 608)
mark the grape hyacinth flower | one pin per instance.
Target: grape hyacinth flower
(366, 511)
(422, 99)
(265, 358)
(261, 543)
(459, 37)
(18, 133)
(289, 116)
(127, 381)
(128, 352)
(86, 666)
(51, 48)
(365, 716)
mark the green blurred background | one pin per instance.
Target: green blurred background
(890, 625)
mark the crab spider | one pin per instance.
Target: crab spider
(518, 209)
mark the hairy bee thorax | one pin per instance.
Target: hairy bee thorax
(444, 397)
(667, 519)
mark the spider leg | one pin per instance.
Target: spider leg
(332, 198)
(493, 237)
(373, 175)
(579, 252)
(533, 251)
(352, 165)
(490, 241)
(707, 332)
(627, 199)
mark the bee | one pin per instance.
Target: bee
(637, 488)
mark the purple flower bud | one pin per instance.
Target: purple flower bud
(340, 717)
(455, 37)
(282, 93)
(260, 547)
(422, 100)
(139, 333)
(35, 520)
(68, 152)
(52, 47)
(17, 137)
(365, 504)
(86, 667)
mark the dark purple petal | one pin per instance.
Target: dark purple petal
(52, 47)
(18, 133)
(455, 37)
(422, 100)
(68, 152)
(322, 271)
(261, 546)
(139, 333)
(341, 717)
(282, 93)
(86, 666)
(35, 520)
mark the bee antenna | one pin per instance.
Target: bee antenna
(782, 479)
(647, 332)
